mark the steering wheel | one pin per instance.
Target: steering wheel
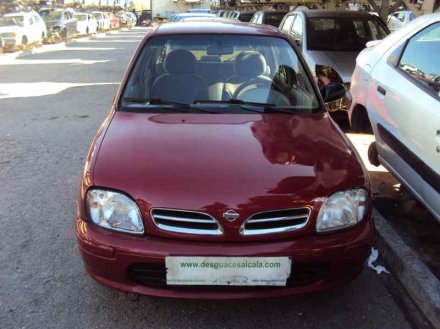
(261, 92)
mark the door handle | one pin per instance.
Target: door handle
(381, 90)
(438, 141)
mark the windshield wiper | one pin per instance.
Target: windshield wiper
(252, 106)
(156, 101)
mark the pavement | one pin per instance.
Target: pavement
(51, 105)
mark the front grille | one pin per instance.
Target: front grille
(188, 222)
(154, 275)
(279, 221)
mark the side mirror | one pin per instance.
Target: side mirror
(333, 92)
(297, 43)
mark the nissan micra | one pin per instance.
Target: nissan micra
(219, 174)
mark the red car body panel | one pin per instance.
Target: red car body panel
(212, 163)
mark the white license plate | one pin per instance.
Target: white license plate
(228, 271)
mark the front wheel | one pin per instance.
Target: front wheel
(373, 155)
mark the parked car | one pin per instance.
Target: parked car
(132, 19)
(393, 23)
(61, 24)
(115, 21)
(144, 19)
(19, 29)
(242, 16)
(405, 16)
(103, 20)
(198, 174)
(179, 17)
(396, 95)
(268, 17)
(330, 42)
(86, 23)
(1, 45)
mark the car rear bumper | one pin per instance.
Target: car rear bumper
(318, 262)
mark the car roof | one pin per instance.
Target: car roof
(195, 14)
(17, 14)
(273, 11)
(332, 13)
(224, 27)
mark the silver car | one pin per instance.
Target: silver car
(331, 40)
(396, 95)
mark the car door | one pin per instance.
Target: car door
(32, 30)
(405, 95)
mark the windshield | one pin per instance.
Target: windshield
(80, 17)
(54, 15)
(343, 33)
(97, 15)
(179, 18)
(220, 72)
(245, 17)
(11, 20)
(273, 19)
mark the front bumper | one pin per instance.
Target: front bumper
(9, 42)
(318, 261)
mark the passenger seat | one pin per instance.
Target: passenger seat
(179, 83)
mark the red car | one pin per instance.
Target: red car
(114, 21)
(219, 174)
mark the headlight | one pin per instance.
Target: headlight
(342, 209)
(114, 211)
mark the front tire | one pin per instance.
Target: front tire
(360, 121)
(373, 155)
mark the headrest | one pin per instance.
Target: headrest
(180, 61)
(250, 63)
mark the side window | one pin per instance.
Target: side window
(287, 23)
(420, 59)
(29, 21)
(297, 28)
(260, 18)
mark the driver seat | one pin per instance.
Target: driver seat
(249, 68)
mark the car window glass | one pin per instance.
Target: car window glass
(376, 30)
(273, 19)
(29, 21)
(268, 65)
(342, 33)
(420, 58)
(287, 23)
(297, 28)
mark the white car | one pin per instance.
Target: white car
(20, 29)
(104, 22)
(396, 95)
(86, 23)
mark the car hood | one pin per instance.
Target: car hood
(343, 62)
(216, 162)
(9, 29)
(50, 23)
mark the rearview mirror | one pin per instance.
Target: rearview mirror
(332, 92)
(219, 50)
